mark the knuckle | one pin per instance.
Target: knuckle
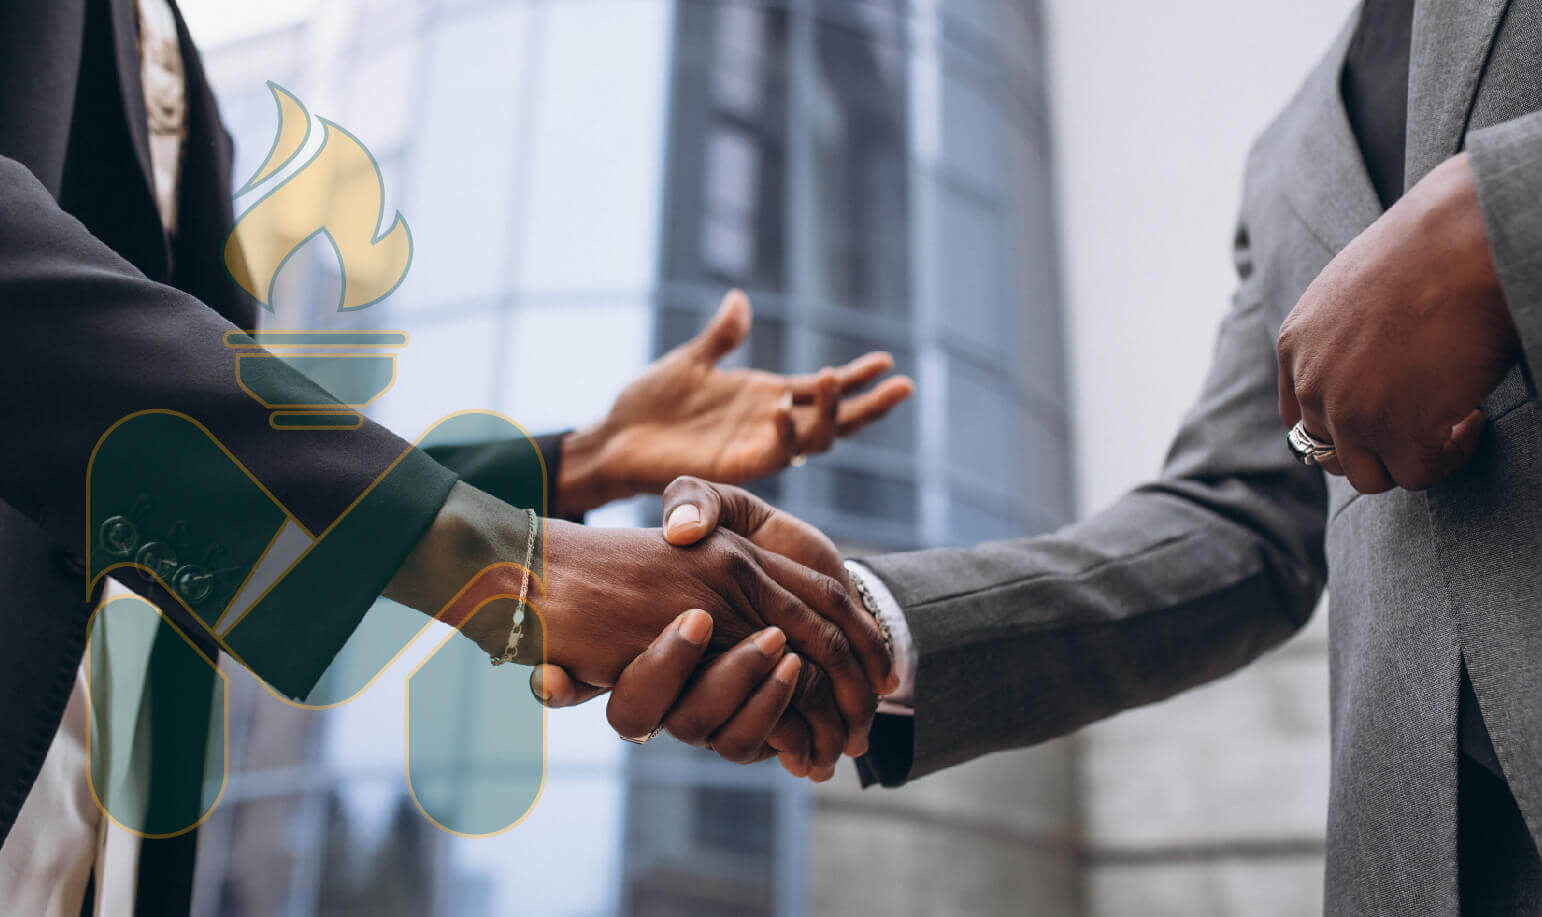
(689, 728)
(684, 481)
(835, 646)
(813, 690)
(1353, 417)
(1308, 388)
(625, 722)
(834, 595)
(736, 561)
(735, 750)
(1285, 342)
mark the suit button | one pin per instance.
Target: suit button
(193, 583)
(118, 536)
(157, 560)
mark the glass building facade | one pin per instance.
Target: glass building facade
(583, 180)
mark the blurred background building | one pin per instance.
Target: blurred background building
(1028, 204)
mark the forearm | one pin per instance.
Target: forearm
(93, 341)
(586, 478)
(98, 347)
(563, 475)
(1031, 639)
(1178, 582)
(476, 541)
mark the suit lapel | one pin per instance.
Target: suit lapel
(1327, 183)
(1451, 41)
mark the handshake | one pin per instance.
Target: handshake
(736, 628)
(774, 652)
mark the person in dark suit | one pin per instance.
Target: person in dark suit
(1389, 311)
(114, 208)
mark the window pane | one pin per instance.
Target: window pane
(858, 235)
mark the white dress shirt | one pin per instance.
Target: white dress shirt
(902, 701)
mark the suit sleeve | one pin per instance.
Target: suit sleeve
(507, 469)
(1179, 582)
(1506, 162)
(89, 341)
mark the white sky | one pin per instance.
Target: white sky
(1154, 106)
(215, 22)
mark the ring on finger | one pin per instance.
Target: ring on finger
(1308, 449)
(644, 740)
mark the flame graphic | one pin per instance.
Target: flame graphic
(339, 193)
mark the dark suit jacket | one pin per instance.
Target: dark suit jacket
(105, 315)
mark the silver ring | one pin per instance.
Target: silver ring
(644, 740)
(798, 461)
(1307, 448)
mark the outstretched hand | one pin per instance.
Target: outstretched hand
(687, 415)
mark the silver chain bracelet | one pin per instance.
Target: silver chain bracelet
(870, 605)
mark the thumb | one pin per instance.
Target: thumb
(1463, 442)
(727, 329)
(554, 687)
(693, 508)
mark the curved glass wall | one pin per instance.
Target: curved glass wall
(583, 180)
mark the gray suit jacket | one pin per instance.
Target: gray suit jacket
(1197, 573)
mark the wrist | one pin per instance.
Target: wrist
(1453, 225)
(471, 566)
(585, 479)
(599, 599)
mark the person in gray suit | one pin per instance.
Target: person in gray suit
(1406, 370)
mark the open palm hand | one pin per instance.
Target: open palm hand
(686, 415)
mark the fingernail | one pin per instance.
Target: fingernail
(695, 625)
(682, 516)
(821, 774)
(787, 670)
(890, 684)
(538, 688)
(770, 640)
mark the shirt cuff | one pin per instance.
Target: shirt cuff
(902, 701)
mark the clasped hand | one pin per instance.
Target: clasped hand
(766, 591)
